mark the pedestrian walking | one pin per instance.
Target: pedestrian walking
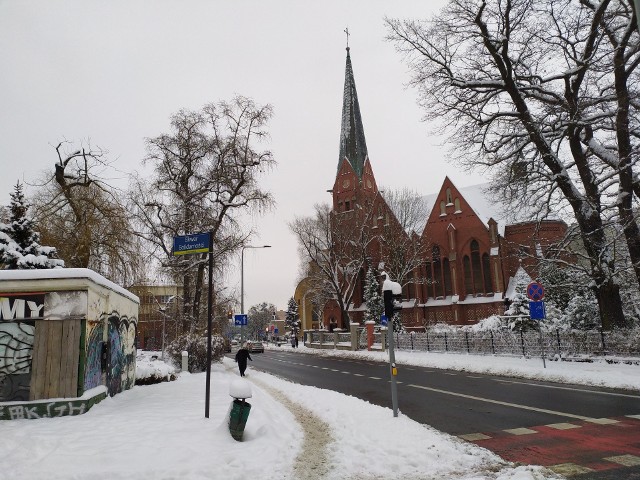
(293, 342)
(241, 358)
(296, 341)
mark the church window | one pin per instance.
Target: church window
(449, 200)
(457, 205)
(429, 282)
(446, 273)
(476, 267)
(486, 270)
(437, 272)
(443, 208)
(347, 205)
(468, 278)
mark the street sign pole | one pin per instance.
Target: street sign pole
(209, 321)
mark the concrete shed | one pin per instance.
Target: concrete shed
(67, 340)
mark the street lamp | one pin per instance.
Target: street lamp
(242, 282)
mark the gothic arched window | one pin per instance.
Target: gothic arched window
(446, 273)
(437, 272)
(468, 278)
(486, 270)
(476, 267)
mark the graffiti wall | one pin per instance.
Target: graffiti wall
(18, 313)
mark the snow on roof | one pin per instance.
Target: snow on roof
(65, 273)
(481, 202)
(520, 278)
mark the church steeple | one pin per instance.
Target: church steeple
(353, 147)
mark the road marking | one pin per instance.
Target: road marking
(358, 375)
(637, 417)
(474, 376)
(348, 373)
(566, 388)
(569, 469)
(452, 374)
(626, 460)
(506, 404)
(520, 431)
(472, 437)
(562, 426)
(375, 378)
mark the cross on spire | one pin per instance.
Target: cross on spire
(346, 30)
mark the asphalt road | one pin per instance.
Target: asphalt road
(481, 408)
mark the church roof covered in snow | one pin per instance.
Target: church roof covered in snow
(353, 147)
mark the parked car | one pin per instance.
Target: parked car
(256, 347)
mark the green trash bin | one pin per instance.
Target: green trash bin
(238, 418)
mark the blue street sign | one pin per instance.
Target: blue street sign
(383, 320)
(275, 331)
(188, 244)
(537, 310)
(240, 319)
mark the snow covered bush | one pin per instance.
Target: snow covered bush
(150, 369)
(196, 345)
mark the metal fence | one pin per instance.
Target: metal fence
(531, 343)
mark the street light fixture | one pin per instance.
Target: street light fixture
(242, 281)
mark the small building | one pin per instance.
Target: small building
(67, 340)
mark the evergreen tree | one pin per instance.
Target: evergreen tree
(20, 247)
(519, 306)
(372, 297)
(291, 317)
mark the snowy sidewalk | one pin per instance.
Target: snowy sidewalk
(159, 432)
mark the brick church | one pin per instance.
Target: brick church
(468, 257)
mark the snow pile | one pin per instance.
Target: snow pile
(150, 369)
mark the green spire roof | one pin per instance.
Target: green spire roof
(353, 146)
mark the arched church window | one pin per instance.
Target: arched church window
(476, 267)
(486, 270)
(429, 283)
(449, 198)
(457, 205)
(468, 278)
(437, 272)
(446, 273)
(443, 208)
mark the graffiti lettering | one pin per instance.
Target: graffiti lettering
(17, 308)
(53, 409)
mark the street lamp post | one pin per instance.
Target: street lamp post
(242, 282)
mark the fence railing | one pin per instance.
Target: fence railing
(564, 344)
(530, 343)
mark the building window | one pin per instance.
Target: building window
(486, 270)
(476, 267)
(449, 200)
(429, 282)
(443, 208)
(468, 279)
(457, 205)
(437, 272)
(446, 272)
(347, 206)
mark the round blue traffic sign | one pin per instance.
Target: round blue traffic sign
(535, 291)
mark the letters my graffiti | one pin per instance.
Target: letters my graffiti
(16, 307)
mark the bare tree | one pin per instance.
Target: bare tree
(402, 250)
(206, 173)
(335, 243)
(85, 218)
(544, 95)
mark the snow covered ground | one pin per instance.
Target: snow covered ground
(294, 432)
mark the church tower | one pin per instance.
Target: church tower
(354, 183)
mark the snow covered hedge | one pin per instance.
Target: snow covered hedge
(150, 369)
(196, 345)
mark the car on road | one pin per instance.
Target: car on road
(256, 347)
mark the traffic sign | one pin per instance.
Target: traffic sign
(535, 291)
(384, 320)
(194, 243)
(240, 319)
(275, 331)
(537, 310)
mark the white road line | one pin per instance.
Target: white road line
(507, 404)
(375, 378)
(568, 388)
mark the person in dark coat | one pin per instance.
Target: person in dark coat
(241, 358)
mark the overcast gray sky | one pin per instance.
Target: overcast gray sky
(113, 72)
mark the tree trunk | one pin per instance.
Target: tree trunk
(610, 305)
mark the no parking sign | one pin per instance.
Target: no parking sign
(535, 291)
